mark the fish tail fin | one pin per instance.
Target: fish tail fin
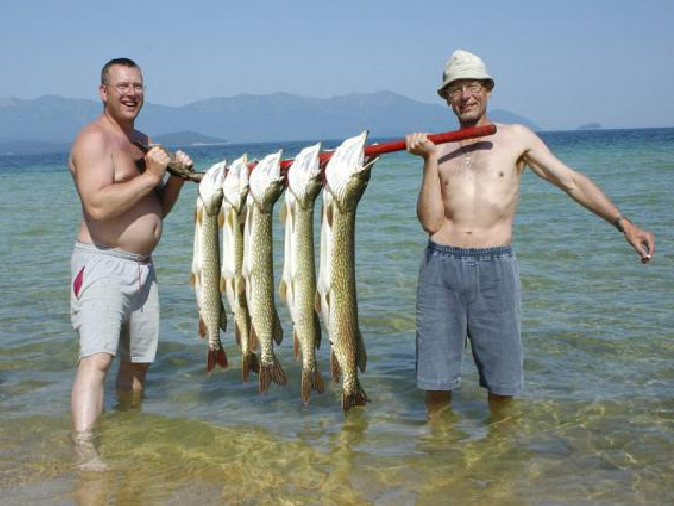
(264, 377)
(278, 376)
(335, 369)
(306, 385)
(249, 362)
(210, 361)
(296, 346)
(311, 380)
(317, 382)
(216, 357)
(355, 398)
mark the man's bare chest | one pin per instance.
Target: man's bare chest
(478, 164)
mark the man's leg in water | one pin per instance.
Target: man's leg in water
(131, 383)
(437, 402)
(87, 405)
(498, 404)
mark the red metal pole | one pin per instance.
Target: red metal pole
(399, 145)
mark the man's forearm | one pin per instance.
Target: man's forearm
(430, 209)
(588, 195)
(170, 192)
(117, 198)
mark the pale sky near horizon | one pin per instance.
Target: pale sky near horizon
(560, 64)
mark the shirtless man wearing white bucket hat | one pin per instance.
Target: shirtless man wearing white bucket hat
(468, 277)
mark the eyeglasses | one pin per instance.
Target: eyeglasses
(455, 91)
(135, 88)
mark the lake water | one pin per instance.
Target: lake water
(593, 427)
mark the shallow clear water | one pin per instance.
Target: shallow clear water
(594, 426)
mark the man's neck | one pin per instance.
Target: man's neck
(127, 128)
(481, 121)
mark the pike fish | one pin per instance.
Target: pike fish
(346, 180)
(235, 191)
(212, 315)
(195, 283)
(265, 187)
(298, 283)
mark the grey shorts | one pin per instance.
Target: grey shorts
(469, 293)
(114, 303)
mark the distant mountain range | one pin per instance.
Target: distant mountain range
(50, 123)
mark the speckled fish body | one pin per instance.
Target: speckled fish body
(235, 191)
(212, 311)
(298, 283)
(265, 187)
(346, 181)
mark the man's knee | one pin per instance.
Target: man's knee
(98, 361)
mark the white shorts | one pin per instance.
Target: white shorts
(114, 302)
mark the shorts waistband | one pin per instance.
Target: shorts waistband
(114, 252)
(504, 251)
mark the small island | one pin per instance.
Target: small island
(186, 138)
(590, 126)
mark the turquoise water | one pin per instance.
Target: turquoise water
(594, 426)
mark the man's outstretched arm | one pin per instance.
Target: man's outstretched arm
(581, 189)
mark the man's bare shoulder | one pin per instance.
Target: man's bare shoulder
(92, 144)
(516, 136)
(514, 131)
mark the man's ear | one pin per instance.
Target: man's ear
(103, 93)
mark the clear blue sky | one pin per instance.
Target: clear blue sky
(559, 63)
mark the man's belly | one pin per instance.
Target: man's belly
(465, 235)
(138, 236)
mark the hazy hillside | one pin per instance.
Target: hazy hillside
(54, 120)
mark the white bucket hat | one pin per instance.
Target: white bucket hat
(463, 65)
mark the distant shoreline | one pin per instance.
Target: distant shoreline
(46, 148)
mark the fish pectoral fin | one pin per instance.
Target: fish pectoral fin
(335, 368)
(193, 279)
(296, 346)
(223, 318)
(201, 327)
(221, 219)
(282, 290)
(254, 341)
(318, 333)
(277, 332)
(361, 354)
(223, 285)
(237, 333)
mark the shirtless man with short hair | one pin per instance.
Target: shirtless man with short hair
(468, 278)
(114, 297)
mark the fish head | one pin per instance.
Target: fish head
(304, 176)
(266, 183)
(210, 187)
(345, 175)
(235, 185)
